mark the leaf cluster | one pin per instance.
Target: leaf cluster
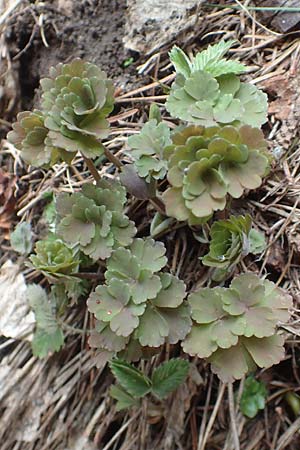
(231, 240)
(94, 219)
(133, 384)
(207, 90)
(139, 306)
(235, 328)
(55, 259)
(76, 99)
(205, 165)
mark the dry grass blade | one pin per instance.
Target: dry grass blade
(62, 402)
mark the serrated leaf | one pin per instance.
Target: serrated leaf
(253, 397)
(124, 400)
(212, 53)
(131, 379)
(168, 376)
(48, 336)
(45, 342)
(38, 300)
(223, 67)
(180, 61)
(21, 238)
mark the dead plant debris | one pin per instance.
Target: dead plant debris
(61, 402)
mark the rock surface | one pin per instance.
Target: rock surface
(151, 24)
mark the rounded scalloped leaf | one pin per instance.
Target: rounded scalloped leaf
(147, 149)
(145, 287)
(153, 328)
(179, 321)
(247, 296)
(172, 292)
(233, 363)
(104, 338)
(255, 104)
(245, 176)
(112, 304)
(149, 253)
(206, 305)
(198, 341)
(105, 303)
(122, 264)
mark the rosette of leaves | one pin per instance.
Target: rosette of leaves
(76, 99)
(206, 164)
(235, 328)
(31, 137)
(231, 240)
(94, 219)
(139, 306)
(147, 150)
(55, 259)
(207, 90)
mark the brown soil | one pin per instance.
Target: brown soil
(91, 29)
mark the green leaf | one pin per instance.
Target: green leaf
(253, 397)
(211, 54)
(160, 224)
(21, 238)
(55, 259)
(147, 149)
(124, 400)
(49, 215)
(44, 342)
(94, 219)
(223, 67)
(235, 328)
(154, 112)
(257, 242)
(180, 61)
(130, 378)
(48, 336)
(168, 376)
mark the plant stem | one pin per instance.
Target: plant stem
(254, 8)
(234, 430)
(112, 158)
(158, 205)
(73, 329)
(91, 166)
(87, 276)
